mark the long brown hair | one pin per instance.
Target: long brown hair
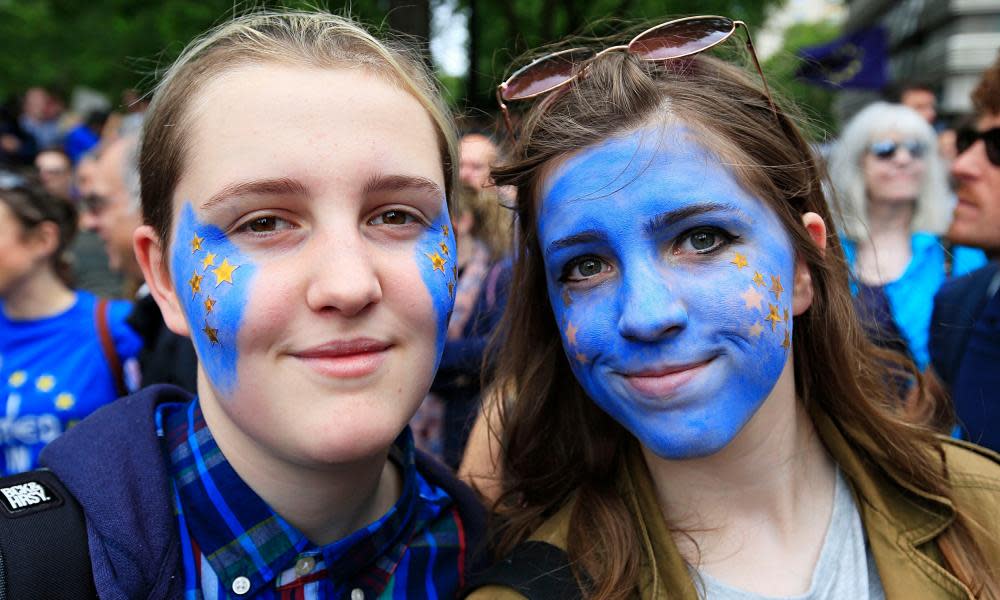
(32, 205)
(556, 442)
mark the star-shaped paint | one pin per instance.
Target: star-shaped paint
(195, 283)
(224, 272)
(209, 304)
(786, 343)
(444, 230)
(752, 298)
(451, 289)
(739, 260)
(784, 311)
(213, 334)
(196, 243)
(772, 315)
(437, 260)
(758, 279)
(776, 288)
(582, 358)
(567, 299)
(571, 333)
(65, 401)
(756, 329)
(208, 261)
(45, 383)
(444, 249)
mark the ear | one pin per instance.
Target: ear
(802, 288)
(44, 239)
(149, 252)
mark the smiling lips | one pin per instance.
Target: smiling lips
(664, 382)
(347, 359)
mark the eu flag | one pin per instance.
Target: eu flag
(859, 60)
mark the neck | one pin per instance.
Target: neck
(40, 295)
(325, 502)
(771, 482)
(890, 218)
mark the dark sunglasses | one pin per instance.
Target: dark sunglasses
(965, 138)
(670, 40)
(886, 149)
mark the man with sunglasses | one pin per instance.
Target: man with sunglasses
(965, 330)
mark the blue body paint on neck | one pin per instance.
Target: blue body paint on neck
(437, 258)
(679, 325)
(212, 279)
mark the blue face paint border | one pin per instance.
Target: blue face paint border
(437, 257)
(212, 279)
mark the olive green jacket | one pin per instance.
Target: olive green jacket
(901, 523)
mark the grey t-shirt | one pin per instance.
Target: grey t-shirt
(845, 568)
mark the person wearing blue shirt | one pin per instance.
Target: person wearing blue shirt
(890, 180)
(54, 368)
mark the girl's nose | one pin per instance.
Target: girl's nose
(344, 277)
(650, 308)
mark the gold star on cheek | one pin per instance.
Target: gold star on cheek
(444, 248)
(756, 329)
(581, 358)
(772, 315)
(784, 311)
(195, 283)
(196, 244)
(571, 333)
(451, 289)
(739, 260)
(758, 279)
(224, 272)
(209, 304)
(213, 334)
(776, 286)
(566, 298)
(208, 262)
(444, 230)
(786, 343)
(438, 261)
(752, 298)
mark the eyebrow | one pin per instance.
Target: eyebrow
(395, 183)
(584, 237)
(260, 187)
(668, 218)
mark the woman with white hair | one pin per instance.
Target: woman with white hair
(892, 184)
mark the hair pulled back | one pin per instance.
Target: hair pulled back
(296, 38)
(555, 441)
(32, 206)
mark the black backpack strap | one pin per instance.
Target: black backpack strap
(43, 540)
(536, 570)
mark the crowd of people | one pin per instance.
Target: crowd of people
(282, 332)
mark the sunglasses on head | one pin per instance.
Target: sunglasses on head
(886, 149)
(965, 138)
(666, 41)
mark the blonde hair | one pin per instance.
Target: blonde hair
(312, 39)
(932, 212)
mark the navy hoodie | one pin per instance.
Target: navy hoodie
(112, 462)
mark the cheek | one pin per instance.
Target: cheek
(434, 255)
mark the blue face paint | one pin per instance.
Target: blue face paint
(435, 254)
(212, 279)
(667, 281)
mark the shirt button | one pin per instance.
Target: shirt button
(241, 585)
(304, 566)
(357, 594)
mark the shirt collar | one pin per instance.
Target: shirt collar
(240, 535)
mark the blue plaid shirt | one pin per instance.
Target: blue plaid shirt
(235, 546)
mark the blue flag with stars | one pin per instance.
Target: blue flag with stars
(859, 60)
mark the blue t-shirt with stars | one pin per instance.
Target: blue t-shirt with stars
(53, 373)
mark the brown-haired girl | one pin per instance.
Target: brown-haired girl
(695, 411)
(295, 180)
(61, 349)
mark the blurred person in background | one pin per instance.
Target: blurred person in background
(965, 329)
(892, 184)
(918, 96)
(55, 171)
(483, 238)
(85, 136)
(112, 211)
(476, 153)
(17, 147)
(62, 350)
(41, 117)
